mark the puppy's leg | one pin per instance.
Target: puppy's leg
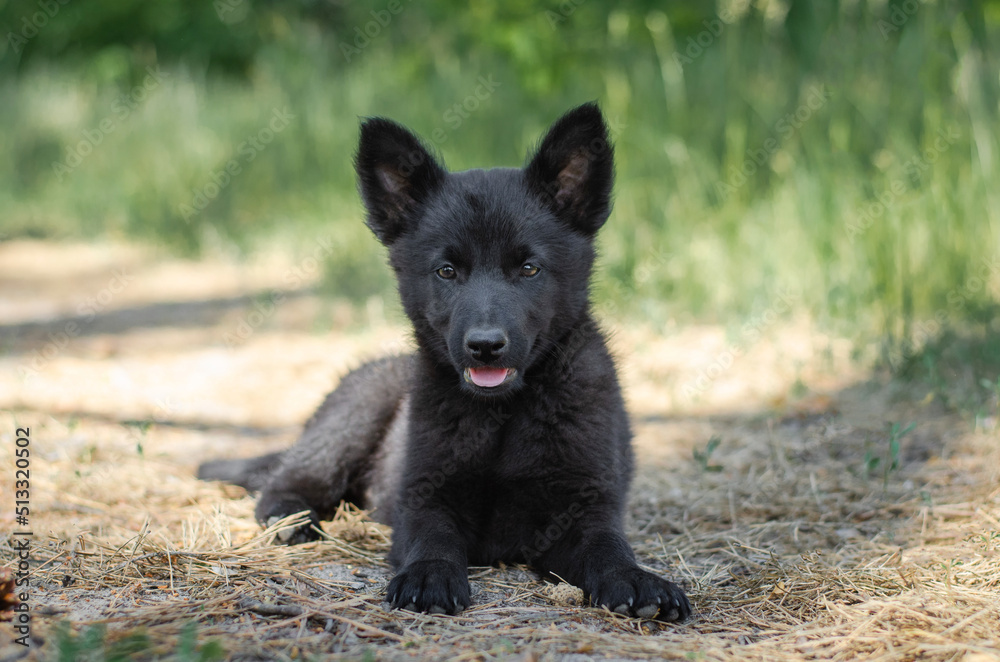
(429, 550)
(334, 456)
(596, 557)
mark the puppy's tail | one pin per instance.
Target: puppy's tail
(252, 473)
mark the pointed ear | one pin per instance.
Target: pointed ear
(573, 169)
(396, 174)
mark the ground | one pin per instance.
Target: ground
(771, 483)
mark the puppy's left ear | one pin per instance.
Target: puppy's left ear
(573, 169)
(396, 175)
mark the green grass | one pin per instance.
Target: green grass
(961, 367)
(94, 644)
(703, 458)
(869, 189)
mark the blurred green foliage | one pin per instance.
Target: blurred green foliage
(846, 151)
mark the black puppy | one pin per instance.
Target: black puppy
(504, 438)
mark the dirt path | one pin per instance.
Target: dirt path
(802, 531)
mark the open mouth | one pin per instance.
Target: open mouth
(487, 377)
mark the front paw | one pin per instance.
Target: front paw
(433, 587)
(635, 592)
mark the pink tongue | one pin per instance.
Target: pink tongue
(487, 377)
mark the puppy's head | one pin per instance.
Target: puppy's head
(493, 266)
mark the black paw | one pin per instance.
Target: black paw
(433, 587)
(271, 509)
(635, 592)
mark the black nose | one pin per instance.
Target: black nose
(486, 344)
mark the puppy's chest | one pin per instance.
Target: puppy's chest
(542, 437)
(517, 494)
(532, 436)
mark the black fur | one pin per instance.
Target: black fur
(493, 270)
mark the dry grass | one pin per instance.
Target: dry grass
(792, 543)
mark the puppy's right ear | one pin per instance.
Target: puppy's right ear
(573, 169)
(396, 174)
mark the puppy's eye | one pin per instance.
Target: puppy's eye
(529, 270)
(447, 272)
